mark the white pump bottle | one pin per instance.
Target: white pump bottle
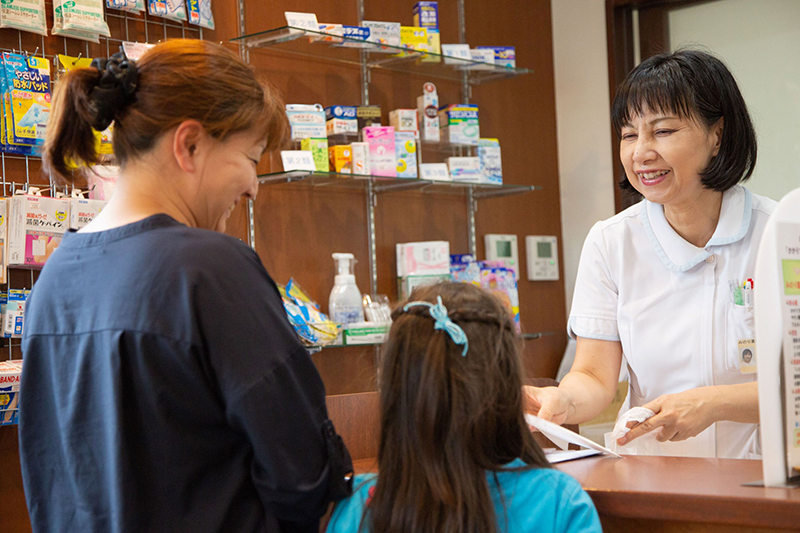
(344, 305)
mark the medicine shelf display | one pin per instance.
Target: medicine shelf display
(384, 184)
(347, 50)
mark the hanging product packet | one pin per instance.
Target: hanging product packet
(28, 88)
(58, 25)
(24, 15)
(102, 139)
(168, 9)
(135, 51)
(200, 13)
(85, 15)
(132, 6)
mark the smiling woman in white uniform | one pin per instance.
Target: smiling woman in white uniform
(654, 282)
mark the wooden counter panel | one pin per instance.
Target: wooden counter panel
(685, 490)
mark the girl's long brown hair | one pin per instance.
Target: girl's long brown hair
(179, 80)
(447, 419)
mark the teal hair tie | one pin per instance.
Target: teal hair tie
(439, 313)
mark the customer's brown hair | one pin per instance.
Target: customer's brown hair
(178, 80)
(447, 419)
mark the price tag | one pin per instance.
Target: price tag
(303, 21)
(459, 53)
(298, 160)
(434, 171)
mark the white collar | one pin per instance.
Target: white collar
(680, 255)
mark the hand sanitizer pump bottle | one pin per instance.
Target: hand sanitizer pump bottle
(344, 305)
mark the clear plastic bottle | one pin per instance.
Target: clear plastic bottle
(344, 305)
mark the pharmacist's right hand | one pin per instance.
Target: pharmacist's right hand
(548, 403)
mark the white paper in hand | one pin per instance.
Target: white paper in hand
(554, 431)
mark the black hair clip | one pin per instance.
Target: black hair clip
(116, 89)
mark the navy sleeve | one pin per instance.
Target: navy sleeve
(270, 388)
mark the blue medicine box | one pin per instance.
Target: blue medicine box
(426, 15)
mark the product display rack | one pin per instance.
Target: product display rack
(368, 56)
(308, 43)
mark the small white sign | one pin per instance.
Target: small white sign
(298, 160)
(460, 53)
(303, 21)
(434, 171)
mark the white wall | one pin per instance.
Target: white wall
(583, 123)
(760, 44)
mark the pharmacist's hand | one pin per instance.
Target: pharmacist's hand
(549, 403)
(678, 416)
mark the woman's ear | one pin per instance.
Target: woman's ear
(187, 143)
(716, 131)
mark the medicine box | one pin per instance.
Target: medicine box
(407, 284)
(36, 225)
(502, 283)
(319, 151)
(464, 268)
(382, 160)
(423, 258)
(483, 58)
(14, 318)
(333, 33)
(306, 121)
(10, 373)
(3, 241)
(428, 113)
(384, 33)
(459, 124)
(405, 148)
(365, 333)
(491, 163)
(340, 158)
(504, 56)
(341, 120)
(355, 37)
(360, 158)
(368, 115)
(465, 169)
(414, 38)
(403, 120)
(434, 47)
(426, 15)
(83, 210)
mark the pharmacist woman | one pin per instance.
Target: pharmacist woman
(164, 387)
(658, 282)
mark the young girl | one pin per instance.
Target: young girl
(455, 452)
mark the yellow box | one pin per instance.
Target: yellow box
(340, 158)
(434, 47)
(414, 37)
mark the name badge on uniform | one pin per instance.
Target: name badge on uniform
(747, 356)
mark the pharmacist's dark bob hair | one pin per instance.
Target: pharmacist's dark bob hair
(693, 85)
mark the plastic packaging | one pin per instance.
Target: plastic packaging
(344, 305)
(168, 9)
(58, 26)
(26, 101)
(200, 13)
(24, 15)
(84, 16)
(132, 6)
(311, 325)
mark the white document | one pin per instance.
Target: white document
(557, 433)
(559, 456)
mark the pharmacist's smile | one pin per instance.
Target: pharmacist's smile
(652, 177)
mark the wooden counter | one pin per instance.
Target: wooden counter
(672, 494)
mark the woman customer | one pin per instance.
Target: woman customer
(660, 282)
(164, 387)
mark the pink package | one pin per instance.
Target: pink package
(381, 150)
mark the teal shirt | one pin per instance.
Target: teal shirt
(538, 500)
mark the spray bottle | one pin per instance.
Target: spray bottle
(344, 305)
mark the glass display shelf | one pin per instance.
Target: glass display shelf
(317, 349)
(331, 47)
(336, 180)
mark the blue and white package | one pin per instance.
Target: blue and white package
(306, 121)
(353, 34)
(426, 15)
(405, 150)
(200, 13)
(131, 6)
(464, 268)
(341, 120)
(491, 163)
(504, 56)
(168, 9)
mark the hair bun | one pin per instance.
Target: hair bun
(115, 90)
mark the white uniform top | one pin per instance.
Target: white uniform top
(669, 304)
